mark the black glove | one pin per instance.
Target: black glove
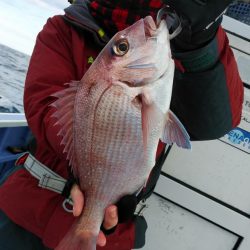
(200, 21)
(126, 208)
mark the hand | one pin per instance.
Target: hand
(110, 217)
(199, 21)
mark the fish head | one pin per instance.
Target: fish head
(138, 54)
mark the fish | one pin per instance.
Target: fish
(112, 120)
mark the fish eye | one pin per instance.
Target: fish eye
(121, 47)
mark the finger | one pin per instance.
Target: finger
(110, 217)
(101, 239)
(78, 200)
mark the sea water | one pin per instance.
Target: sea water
(13, 69)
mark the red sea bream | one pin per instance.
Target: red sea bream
(113, 119)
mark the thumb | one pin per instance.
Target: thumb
(78, 200)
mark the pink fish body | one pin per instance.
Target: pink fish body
(113, 119)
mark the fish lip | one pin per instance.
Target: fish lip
(149, 22)
(150, 27)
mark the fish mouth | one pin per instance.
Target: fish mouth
(150, 28)
(148, 63)
(149, 24)
(150, 33)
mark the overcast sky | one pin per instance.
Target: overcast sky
(21, 20)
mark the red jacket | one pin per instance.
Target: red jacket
(60, 55)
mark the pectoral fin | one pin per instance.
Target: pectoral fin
(174, 132)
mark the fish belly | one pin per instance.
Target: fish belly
(110, 159)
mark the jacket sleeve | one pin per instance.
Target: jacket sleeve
(207, 91)
(51, 66)
(57, 59)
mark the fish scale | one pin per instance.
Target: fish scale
(114, 148)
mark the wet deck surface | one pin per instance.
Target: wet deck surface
(174, 228)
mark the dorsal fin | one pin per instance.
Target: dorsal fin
(64, 116)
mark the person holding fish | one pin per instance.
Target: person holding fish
(98, 93)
